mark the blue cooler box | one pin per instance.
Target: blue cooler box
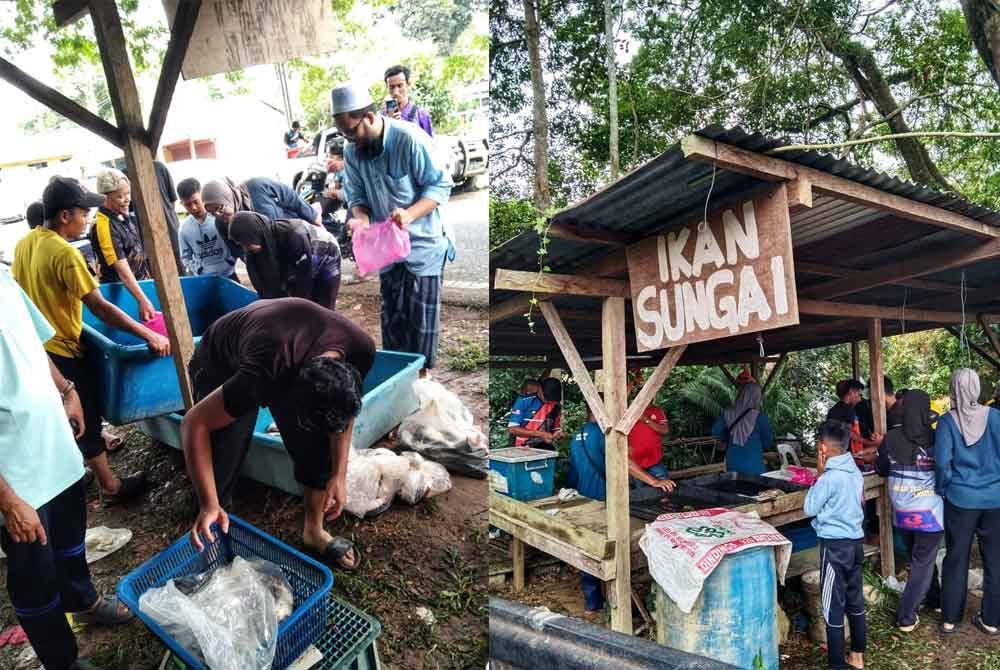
(523, 473)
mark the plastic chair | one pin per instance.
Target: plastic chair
(787, 451)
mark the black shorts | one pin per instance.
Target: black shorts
(91, 444)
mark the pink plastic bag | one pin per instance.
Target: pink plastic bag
(802, 475)
(156, 324)
(381, 244)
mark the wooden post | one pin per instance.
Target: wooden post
(145, 191)
(877, 392)
(616, 462)
(729, 375)
(517, 561)
(855, 361)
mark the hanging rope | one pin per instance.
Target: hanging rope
(711, 187)
(902, 322)
(963, 341)
(760, 342)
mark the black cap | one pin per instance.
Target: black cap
(35, 214)
(65, 193)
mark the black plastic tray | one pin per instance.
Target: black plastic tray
(743, 485)
(649, 502)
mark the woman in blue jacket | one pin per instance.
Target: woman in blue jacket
(224, 199)
(967, 450)
(745, 431)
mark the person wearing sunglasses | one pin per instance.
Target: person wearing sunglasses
(306, 364)
(392, 175)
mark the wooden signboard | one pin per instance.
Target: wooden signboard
(735, 275)
(235, 34)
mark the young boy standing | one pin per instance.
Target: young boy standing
(837, 502)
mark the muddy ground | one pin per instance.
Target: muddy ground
(430, 555)
(888, 649)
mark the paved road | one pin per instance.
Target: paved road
(467, 279)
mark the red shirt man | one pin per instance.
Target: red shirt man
(645, 442)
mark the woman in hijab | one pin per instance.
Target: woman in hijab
(906, 457)
(744, 431)
(224, 199)
(289, 258)
(967, 451)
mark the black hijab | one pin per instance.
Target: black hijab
(914, 436)
(265, 266)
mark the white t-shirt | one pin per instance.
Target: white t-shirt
(39, 458)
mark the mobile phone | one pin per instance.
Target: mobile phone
(391, 105)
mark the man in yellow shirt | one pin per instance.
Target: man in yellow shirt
(56, 278)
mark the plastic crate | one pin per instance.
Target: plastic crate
(523, 473)
(309, 579)
(388, 399)
(801, 534)
(347, 644)
(134, 383)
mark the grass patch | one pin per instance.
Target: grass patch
(977, 659)
(466, 354)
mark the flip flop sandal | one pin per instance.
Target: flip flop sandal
(335, 552)
(106, 613)
(946, 631)
(977, 621)
(131, 488)
(112, 442)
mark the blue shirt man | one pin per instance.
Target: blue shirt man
(586, 475)
(392, 174)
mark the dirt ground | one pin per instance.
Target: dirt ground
(431, 555)
(888, 649)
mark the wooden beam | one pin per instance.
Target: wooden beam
(846, 309)
(611, 265)
(650, 389)
(775, 371)
(513, 307)
(616, 462)
(770, 168)
(729, 375)
(517, 563)
(545, 282)
(877, 397)
(831, 271)
(855, 361)
(180, 38)
(800, 194)
(576, 366)
(566, 231)
(905, 269)
(588, 541)
(145, 190)
(69, 11)
(984, 323)
(975, 347)
(59, 103)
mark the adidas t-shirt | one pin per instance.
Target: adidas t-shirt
(203, 249)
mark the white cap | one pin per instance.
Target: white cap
(349, 98)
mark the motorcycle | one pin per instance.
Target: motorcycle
(314, 183)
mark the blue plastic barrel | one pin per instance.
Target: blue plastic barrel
(733, 619)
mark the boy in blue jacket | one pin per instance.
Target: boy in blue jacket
(837, 502)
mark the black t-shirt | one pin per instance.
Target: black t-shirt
(842, 412)
(255, 352)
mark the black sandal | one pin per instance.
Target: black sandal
(130, 489)
(978, 622)
(945, 631)
(335, 552)
(106, 613)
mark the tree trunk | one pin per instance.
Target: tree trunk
(540, 121)
(983, 19)
(861, 66)
(612, 88)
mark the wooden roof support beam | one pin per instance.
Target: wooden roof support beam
(576, 365)
(770, 168)
(180, 38)
(984, 323)
(145, 191)
(508, 308)
(800, 193)
(846, 309)
(877, 394)
(650, 389)
(729, 375)
(775, 371)
(566, 231)
(59, 103)
(832, 271)
(905, 269)
(545, 282)
(975, 347)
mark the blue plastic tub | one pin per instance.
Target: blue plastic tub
(388, 399)
(801, 534)
(310, 581)
(136, 384)
(523, 473)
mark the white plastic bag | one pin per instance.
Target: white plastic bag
(227, 617)
(425, 479)
(443, 431)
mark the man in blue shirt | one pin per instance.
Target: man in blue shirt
(535, 419)
(42, 496)
(392, 175)
(586, 475)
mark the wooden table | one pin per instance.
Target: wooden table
(575, 532)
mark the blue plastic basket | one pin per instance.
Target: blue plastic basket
(310, 581)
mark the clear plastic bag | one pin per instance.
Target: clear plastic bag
(443, 431)
(379, 245)
(227, 617)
